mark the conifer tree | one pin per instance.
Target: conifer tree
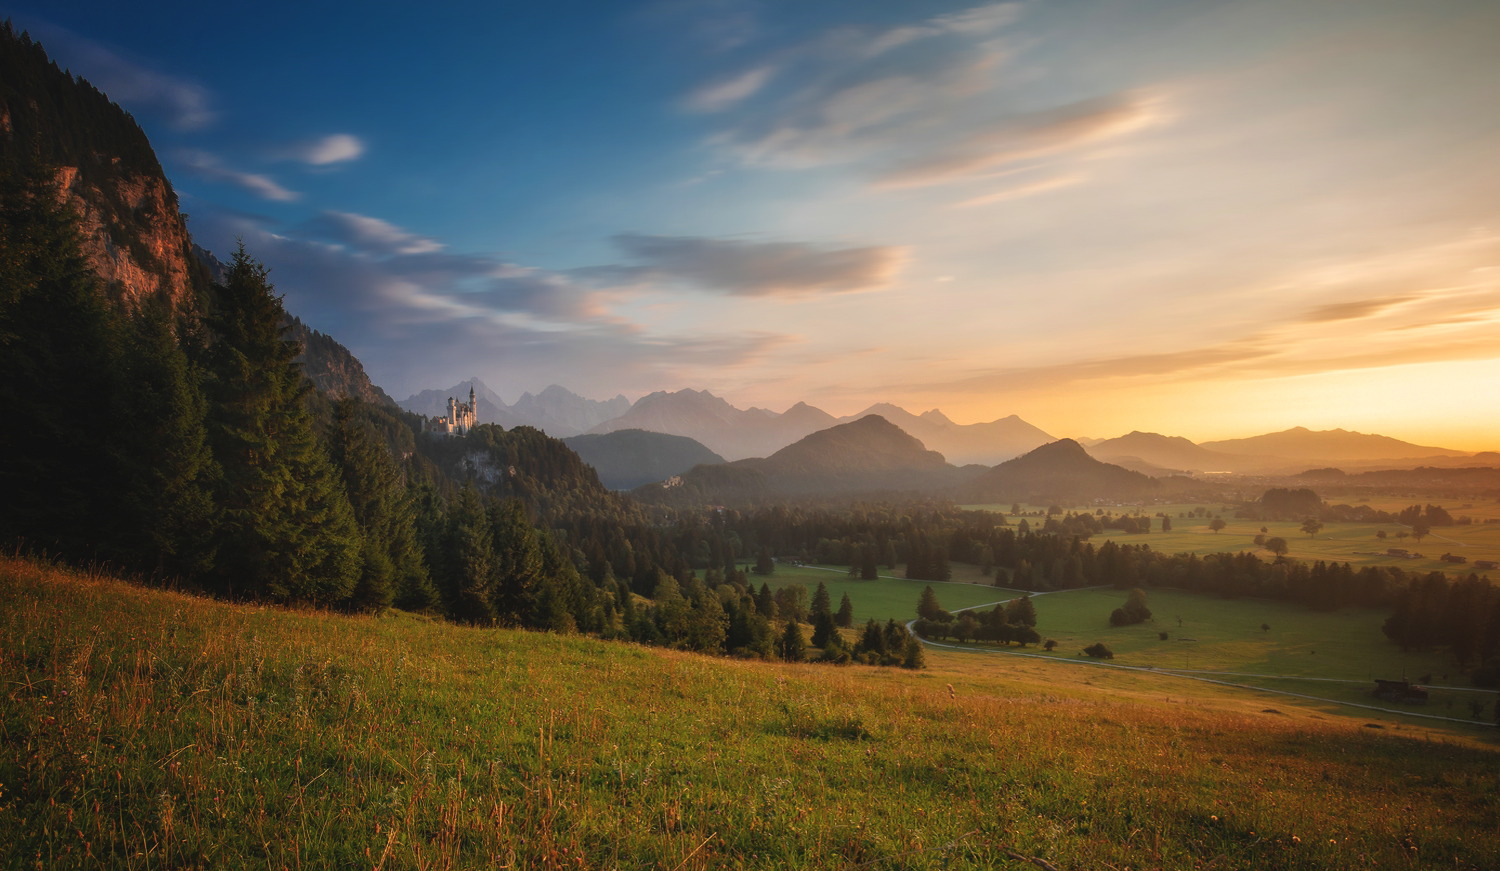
(58, 355)
(823, 629)
(518, 563)
(844, 619)
(285, 528)
(822, 603)
(393, 570)
(927, 606)
(167, 509)
(792, 647)
(765, 602)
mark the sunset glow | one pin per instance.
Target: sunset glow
(1207, 219)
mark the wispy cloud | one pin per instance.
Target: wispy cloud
(1348, 311)
(917, 104)
(185, 103)
(1022, 137)
(337, 148)
(372, 235)
(426, 317)
(1024, 190)
(210, 167)
(717, 96)
(759, 268)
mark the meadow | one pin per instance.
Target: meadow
(146, 729)
(1352, 543)
(1333, 655)
(889, 597)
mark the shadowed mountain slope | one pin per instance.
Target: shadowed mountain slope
(1062, 470)
(628, 458)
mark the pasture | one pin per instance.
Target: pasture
(886, 598)
(1353, 543)
(149, 729)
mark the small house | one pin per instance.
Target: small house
(1400, 691)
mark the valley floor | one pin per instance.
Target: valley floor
(141, 728)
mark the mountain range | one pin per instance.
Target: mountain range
(863, 456)
(556, 411)
(1284, 452)
(628, 458)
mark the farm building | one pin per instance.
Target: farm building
(1400, 691)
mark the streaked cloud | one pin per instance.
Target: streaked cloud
(1024, 190)
(718, 96)
(372, 235)
(336, 148)
(208, 166)
(415, 318)
(1348, 311)
(761, 268)
(1027, 136)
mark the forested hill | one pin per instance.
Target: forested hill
(166, 427)
(61, 132)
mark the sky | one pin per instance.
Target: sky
(1205, 218)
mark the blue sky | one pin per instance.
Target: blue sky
(1195, 217)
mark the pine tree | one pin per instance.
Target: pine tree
(927, 606)
(822, 603)
(166, 503)
(518, 564)
(394, 569)
(823, 629)
(845, 617)
(792, 647)
(765, 602)
(286, 529)
(58, 358)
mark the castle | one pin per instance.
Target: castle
(462, 416)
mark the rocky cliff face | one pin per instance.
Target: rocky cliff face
(59, 132)
(331, 368)
(152, 257)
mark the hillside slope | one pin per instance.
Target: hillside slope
(147, 723)
(1062, 470)
(628, 458)
(866, 456)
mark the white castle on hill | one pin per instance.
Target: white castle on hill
(462, 416)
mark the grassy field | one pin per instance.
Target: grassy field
(145, 729)
(889, 597)
(1354, 543)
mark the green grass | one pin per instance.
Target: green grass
(144, 729)
(1331, 655)
(1353, 543)
(885, 598)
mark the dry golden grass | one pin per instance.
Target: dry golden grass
(146, 729)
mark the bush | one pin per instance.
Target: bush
(1099, 651)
